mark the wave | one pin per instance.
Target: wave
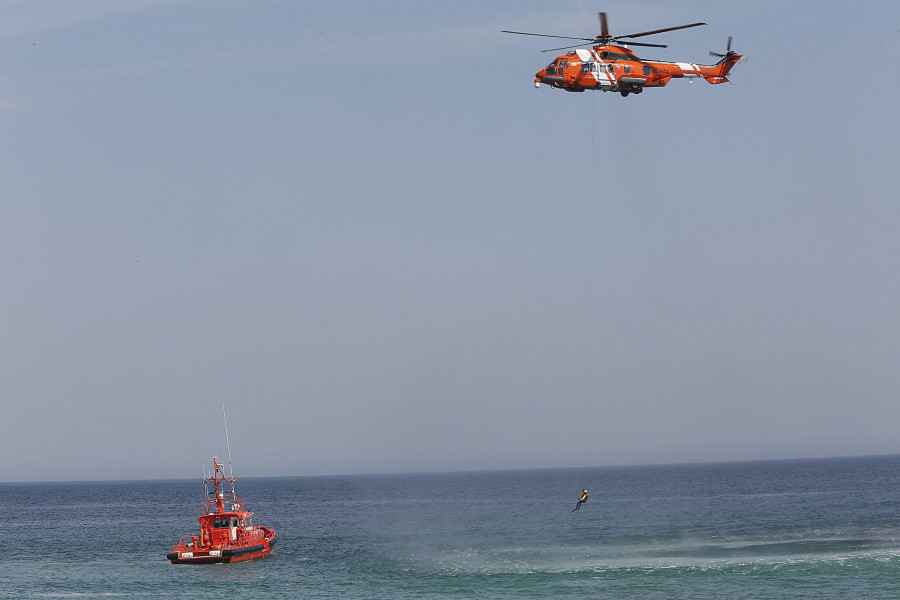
(736, 557)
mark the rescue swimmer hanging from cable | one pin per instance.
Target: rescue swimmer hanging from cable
(581, 500)
(611, 67)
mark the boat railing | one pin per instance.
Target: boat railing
(208, 507)
(186, 543)
(248, 537)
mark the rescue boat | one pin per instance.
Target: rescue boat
(227, 533)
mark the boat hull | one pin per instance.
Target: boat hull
(205, 556)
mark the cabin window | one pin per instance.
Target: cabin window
(627, 69)
(221, 523)
(587, 67)
(646, 70)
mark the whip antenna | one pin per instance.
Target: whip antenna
(228, 443)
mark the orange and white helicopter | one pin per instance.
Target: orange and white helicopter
(611, 67)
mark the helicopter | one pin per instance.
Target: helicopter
(611, 67)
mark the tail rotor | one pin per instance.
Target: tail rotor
(728, 51)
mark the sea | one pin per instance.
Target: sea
(823, 528)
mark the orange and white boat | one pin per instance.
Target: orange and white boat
(227, 533)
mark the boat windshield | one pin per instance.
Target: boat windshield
(221, 523)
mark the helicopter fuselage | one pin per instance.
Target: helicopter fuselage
(611, 68)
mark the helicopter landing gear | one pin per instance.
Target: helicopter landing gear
(624, 93)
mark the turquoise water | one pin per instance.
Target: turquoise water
(819, 529)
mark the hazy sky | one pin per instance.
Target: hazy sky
(359, 226)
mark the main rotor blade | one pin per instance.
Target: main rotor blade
(564, 48)
(604, 30)
(565, 37)
(729, 44)
(613, 43)
(642, 34)
(627, 43)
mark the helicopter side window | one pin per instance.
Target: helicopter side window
(627, 69)
(646, 70)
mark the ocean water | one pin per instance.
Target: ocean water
(820, 529)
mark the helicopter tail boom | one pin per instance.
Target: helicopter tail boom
(721, 69)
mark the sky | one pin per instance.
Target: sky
(360, 228)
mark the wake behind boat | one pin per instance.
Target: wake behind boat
(227, 533)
